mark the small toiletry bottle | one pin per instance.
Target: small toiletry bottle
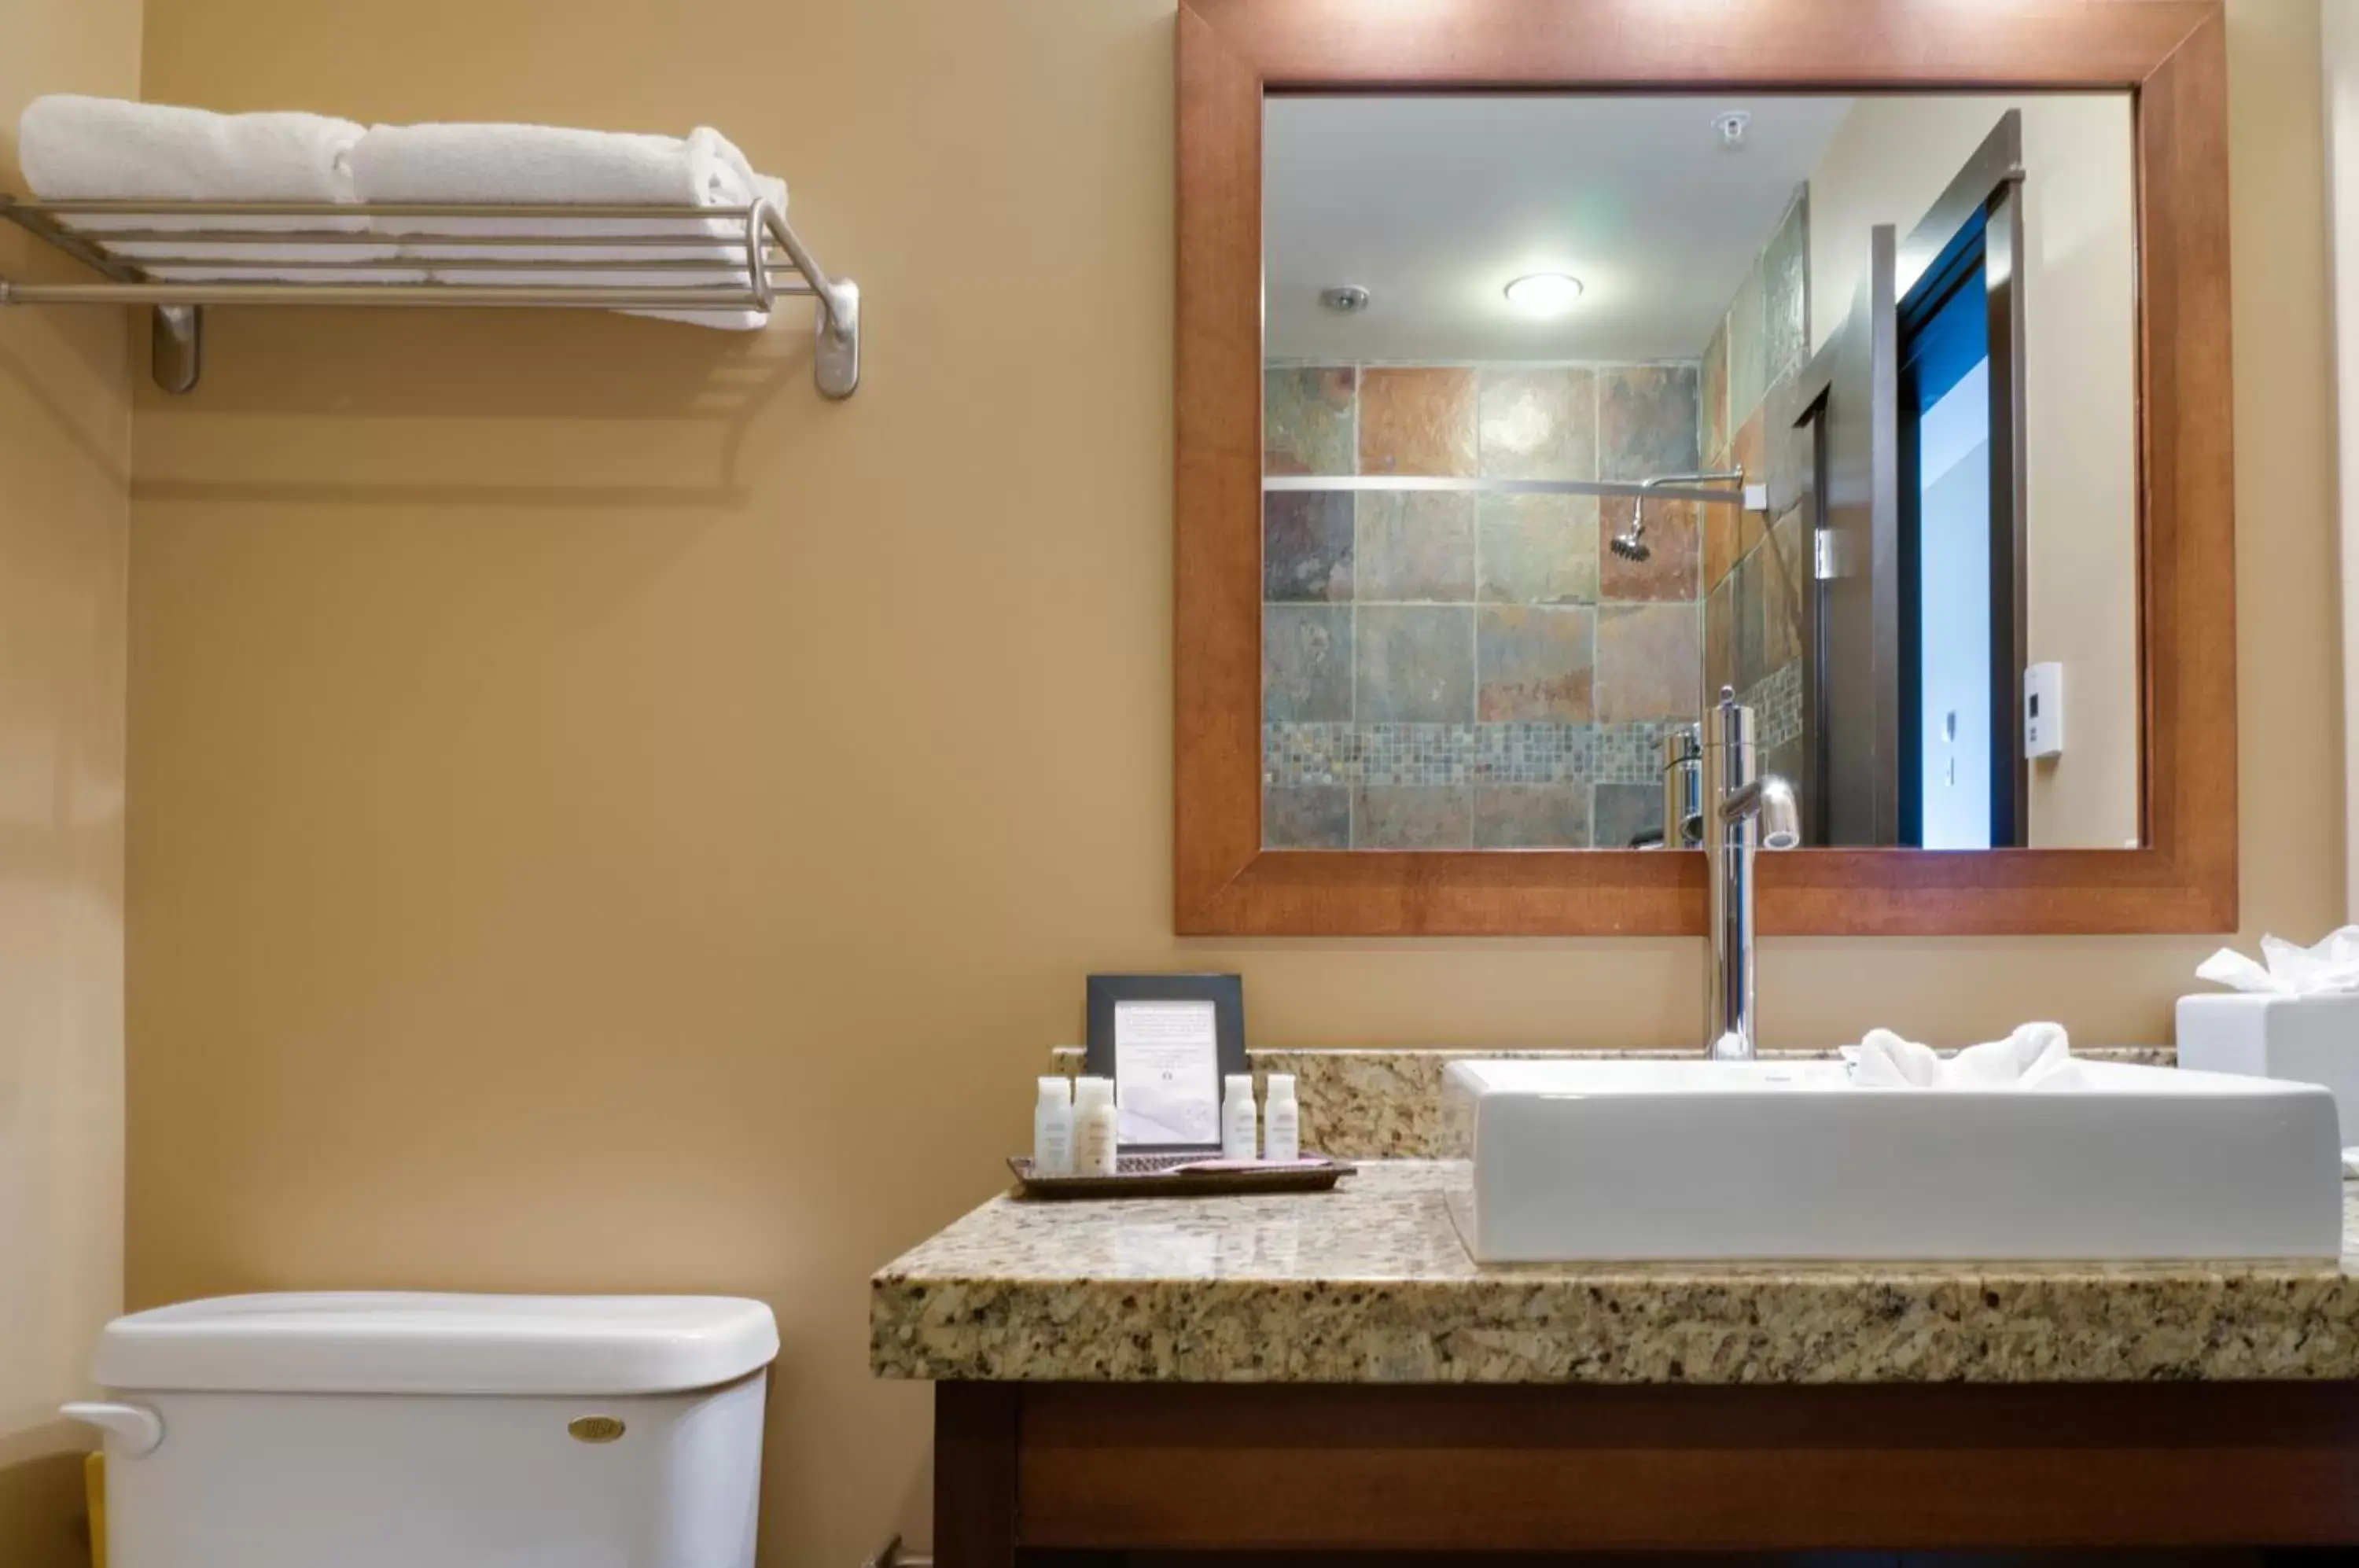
(1093, 1128)
(1281, 1120)
(1053, 1129)
(1238, 1131)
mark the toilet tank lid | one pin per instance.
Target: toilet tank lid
(408, 1342)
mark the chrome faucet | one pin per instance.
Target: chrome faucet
(1715, 796)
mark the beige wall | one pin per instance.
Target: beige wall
(65, 439)
(1889, 164)
(607, 819)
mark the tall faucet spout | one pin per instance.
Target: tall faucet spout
(1770, 800)
(1744, 803)
(1744, 809)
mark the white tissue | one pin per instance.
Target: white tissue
(2326, 969)
(2032, 1053)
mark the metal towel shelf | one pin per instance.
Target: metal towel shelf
(743, 258)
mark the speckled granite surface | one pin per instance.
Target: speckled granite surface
(1369, 1284)
(1386, 1105)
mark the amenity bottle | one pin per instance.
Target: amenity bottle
(1093, 1128)
(1281, 1120)
(1053, 1129)
(1239, 1133)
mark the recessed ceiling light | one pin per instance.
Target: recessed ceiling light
(1544, 293)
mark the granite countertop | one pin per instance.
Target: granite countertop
(1369, 1284)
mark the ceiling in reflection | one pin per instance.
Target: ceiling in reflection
(1435, 204)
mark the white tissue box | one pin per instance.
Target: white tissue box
(2309, 1040)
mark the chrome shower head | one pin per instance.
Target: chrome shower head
(1631, 544)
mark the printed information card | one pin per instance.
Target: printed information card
(1167, 1072)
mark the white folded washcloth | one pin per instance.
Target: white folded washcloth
(521, 163)
(109, 149)
(2326, 968)
(2034, 1052)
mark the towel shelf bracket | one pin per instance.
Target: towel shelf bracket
(175, 346)
(179, 257)
(836, 356)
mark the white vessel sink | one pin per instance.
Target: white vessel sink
(1695, 1159)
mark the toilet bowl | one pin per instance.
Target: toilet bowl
(396, 1430)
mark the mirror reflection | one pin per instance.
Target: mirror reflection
(1580, 410)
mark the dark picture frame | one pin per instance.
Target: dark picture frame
(1225, 992)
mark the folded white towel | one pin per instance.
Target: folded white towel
(549, 163)
(108, 149)
(2032, 1054)
(498, 163)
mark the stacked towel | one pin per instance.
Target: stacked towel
(79, 149)
(2033, 1054)
(74, 147)
(515, 164)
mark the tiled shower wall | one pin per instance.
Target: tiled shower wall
(1452, 672)
(1755, 574)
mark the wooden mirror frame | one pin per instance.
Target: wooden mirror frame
(2169, 53)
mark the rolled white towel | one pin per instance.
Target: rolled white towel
(2033, 1053)
(109, 149)
(521, 163)
(113, 149)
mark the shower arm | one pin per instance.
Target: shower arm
(1638, 530)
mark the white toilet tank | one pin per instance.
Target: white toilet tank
(395, 1431)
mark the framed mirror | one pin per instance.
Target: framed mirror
(1547, 374)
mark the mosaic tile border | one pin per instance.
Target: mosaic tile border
(1294, 755)
(1776, 703)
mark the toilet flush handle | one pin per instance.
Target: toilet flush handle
(136, 1428)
